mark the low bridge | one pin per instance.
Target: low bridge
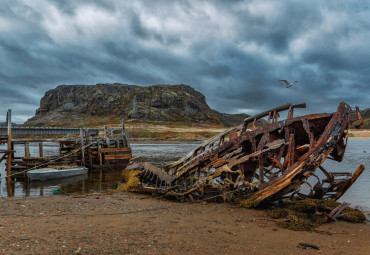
(48, 131)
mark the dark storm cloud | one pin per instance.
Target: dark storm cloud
(234, 52)
(69, 7)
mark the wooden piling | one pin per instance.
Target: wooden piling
(82, 146)
(106, 136)
(105, 132)
(88, 147)
(9, 159)
(123, 133)
(9, 187)
(100, 155)
(93, 151)
(41, 150)
(26, 150)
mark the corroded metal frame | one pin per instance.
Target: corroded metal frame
(262, 162)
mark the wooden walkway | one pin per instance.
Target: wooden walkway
(47, 131)
(86, 147)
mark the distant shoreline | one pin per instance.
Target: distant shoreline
(352, 134)
(359, 134)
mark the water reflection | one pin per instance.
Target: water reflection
(102, 179)
(96, 180)
(357, 152)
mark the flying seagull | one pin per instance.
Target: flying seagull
(288, 85)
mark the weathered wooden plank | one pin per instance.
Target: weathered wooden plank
(123, 156)
(108, 150)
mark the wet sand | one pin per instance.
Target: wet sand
(123, 223)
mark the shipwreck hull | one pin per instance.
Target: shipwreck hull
(261, 163)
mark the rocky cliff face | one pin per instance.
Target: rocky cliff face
(366, 116)
(171, 103)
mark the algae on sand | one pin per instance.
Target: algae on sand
(305, 215)
(301, 215)
(132, 182)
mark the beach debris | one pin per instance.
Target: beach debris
(78, 251)
(308, 246)
(335, 212)
(259, 162)
(306, 214)
(57, 191)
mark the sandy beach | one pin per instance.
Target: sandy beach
(123, 223)
(359, 133)
(127, 109)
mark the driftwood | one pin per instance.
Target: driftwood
(260, 163)
(309, 246)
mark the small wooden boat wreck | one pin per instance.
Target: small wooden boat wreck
(56, 172)
(261, 163)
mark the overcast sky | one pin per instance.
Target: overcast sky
(234, 52)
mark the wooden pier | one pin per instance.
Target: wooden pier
(46, 131)
(89, 147)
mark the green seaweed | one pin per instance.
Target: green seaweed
(305, 215)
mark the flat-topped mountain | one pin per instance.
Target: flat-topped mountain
(89, 105)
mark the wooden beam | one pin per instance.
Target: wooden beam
(277, 109)
(4, 156)
(292, 150)
(358, 172)
(261, 169)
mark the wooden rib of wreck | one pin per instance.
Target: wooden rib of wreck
(262, 163)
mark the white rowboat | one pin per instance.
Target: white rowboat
(49, 173)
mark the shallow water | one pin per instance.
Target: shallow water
(96, 180)
(357, 152)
